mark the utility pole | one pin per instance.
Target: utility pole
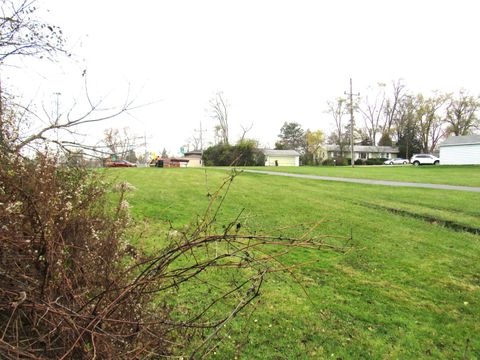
(201, 131)
(201, 137)
(352, 123)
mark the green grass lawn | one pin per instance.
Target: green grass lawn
(408, 289)
(450, 175)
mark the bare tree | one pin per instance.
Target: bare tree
(219, 112)
(54, 130)
(461, 115)
(437, 131)
(391, 109)
(429, 120)
(245, 130)
(194, 142)
(338, 109)
(121, 143)
(405, 126)
(372, 112)
(22, 34)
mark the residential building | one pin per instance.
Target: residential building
(363, 152)
(194, 157)
(460, 150)
(281, 157)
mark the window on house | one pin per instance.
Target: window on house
(363, 155)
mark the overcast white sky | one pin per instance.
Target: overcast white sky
(275, 61)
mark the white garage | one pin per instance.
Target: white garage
(281, 157)
(460, 150)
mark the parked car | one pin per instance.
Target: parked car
(120, 163)
(424, 159)
(397, 161)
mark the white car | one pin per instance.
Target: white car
(397, 161)
(424, 159)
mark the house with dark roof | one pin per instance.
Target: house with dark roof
(363, 152)
(460, 150)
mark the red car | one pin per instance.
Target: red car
(120, 163)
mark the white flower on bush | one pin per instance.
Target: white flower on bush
(13, 207)
(68, 206)
(95, 234)
(124, 205)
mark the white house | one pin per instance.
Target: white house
(194, 157)
(281, 157)
(363, 152)
(460, 150)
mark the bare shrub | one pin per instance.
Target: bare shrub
(62, 265)
(70, 287)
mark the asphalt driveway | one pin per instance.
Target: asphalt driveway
(368, 181)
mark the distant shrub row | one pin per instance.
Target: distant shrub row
(337, 161)
(340, 161)
(375, 161)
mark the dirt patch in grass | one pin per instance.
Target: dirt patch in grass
(428, 218)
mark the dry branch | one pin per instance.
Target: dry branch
(70, 287)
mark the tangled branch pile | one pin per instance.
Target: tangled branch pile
(63, 288)
(70, 288)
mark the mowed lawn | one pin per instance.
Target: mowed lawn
(450, 175)
(409, 287)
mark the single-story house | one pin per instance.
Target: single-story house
(460, 150)
(194, 158)
(363, 152)
(281, 157)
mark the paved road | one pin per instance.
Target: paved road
(368, 181)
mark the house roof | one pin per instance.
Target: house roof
(461, 140)
(365, 148)
(270, 152)
(194, 152)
